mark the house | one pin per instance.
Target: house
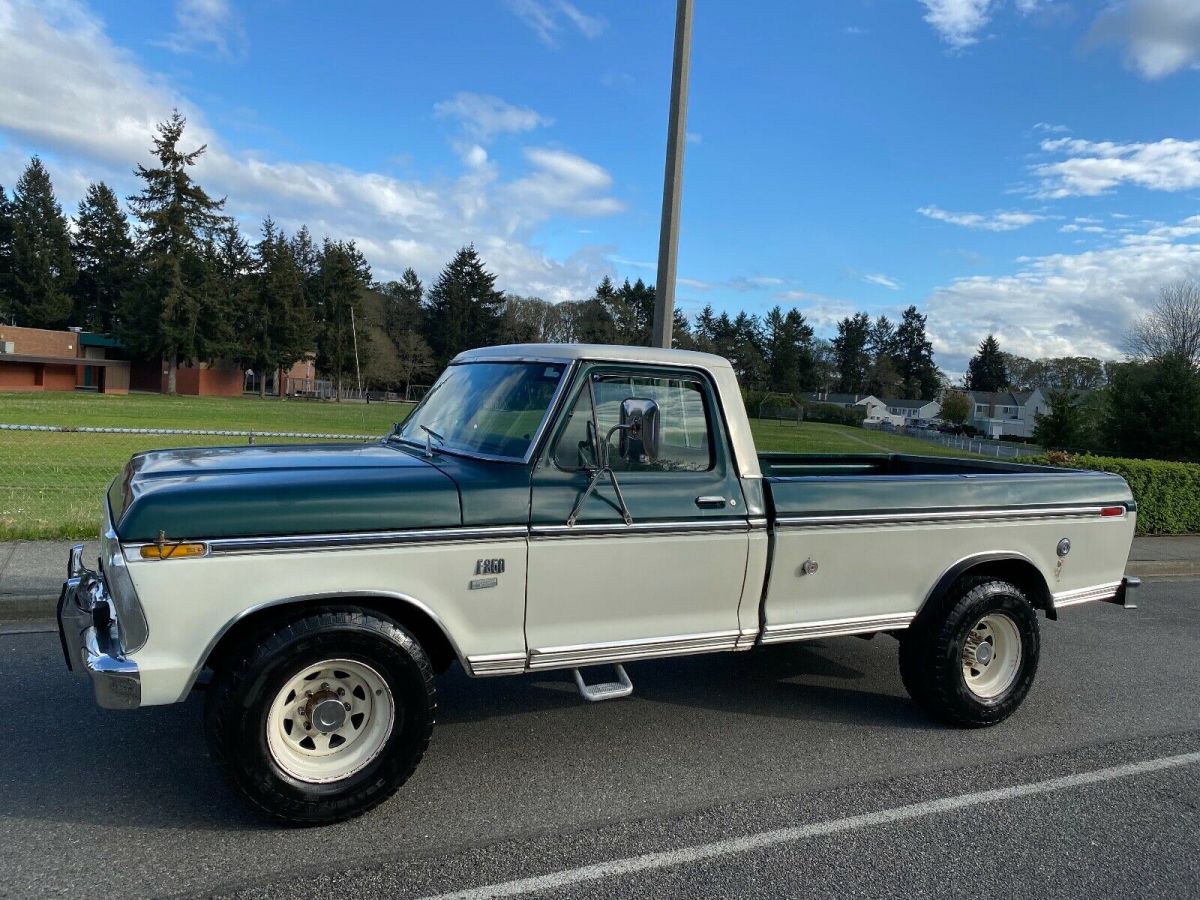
(998, 413)
(877, 412)
(913, 411)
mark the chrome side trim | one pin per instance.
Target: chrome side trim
(758, 522)
(328, 595)
(803, 631)
(496, 664)
(747, 638)
(936, 516)
(1086, 595)
(711, 526)
(301, 542)
(622, 651)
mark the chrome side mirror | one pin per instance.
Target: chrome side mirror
(641, 431)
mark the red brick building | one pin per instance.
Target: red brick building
(36, 359)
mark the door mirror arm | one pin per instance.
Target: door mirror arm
(603, 466)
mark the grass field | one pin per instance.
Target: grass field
(51, 484)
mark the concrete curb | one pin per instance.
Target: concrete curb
(1162, 568)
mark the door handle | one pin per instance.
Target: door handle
(710, 502)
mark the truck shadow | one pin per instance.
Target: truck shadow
(817, 680)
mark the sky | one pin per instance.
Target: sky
(1028, 168)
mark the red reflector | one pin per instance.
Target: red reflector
(1107, 511)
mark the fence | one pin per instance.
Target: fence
(52, 477)
(982, 446)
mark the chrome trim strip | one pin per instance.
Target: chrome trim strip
(803, 631)
(299, 542)
(758, 522)
(1086, 595)
(739, 526)
(496, 664)
(622, 651)
(949, 515)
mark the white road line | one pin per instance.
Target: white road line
(700, 852)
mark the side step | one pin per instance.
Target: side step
(607, 690)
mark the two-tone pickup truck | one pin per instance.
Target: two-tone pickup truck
(556, 507)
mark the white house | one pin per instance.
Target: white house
(1006, 412)
(912, 411)
(880, 411)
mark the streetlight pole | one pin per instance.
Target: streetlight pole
(668, 236)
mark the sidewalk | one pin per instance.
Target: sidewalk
(32, 572)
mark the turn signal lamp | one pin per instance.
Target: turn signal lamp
(172, 551)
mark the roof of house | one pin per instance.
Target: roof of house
(1001, 398)
(906, 404)
(835, 397)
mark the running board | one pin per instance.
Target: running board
(607, 690)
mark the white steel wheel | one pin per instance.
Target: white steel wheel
(991, 656)
(330, 720)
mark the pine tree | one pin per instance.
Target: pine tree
(402, 305)
(1064, 426)
(104, 256)
(914, 354)
(6, 237)
(789, 351)
(463, 308)
(163, 316)
(853, 357)
(705, 330)
(280, 331)
(342, 277)
(43, 270)
(986, 370)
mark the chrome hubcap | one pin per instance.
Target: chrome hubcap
(991, 656)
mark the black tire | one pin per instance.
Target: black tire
(931, 652)
(239, 699)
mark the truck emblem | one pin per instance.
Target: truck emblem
(489, 567)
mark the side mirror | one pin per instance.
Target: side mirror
(641, 433)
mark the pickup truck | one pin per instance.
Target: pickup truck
(556, 507)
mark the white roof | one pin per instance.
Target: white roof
(618, 352)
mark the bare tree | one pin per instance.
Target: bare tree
(1172, 328)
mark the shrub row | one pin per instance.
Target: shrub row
(1167, 493)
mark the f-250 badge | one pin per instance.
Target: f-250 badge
(492, 567)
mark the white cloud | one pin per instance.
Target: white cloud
(547, 18)
(822, 312)
(67, 91)
(1002, 220)
(694, 137)
(483, 117)
(1160, 37)
(1072, 228)
(958, 22)
(1096, 167)
(207, 24)
(1051, 128)
(695, 283)
(880, 280)
(1063, 304)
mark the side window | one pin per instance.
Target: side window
(686, 430)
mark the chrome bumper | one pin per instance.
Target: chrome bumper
(90, 635)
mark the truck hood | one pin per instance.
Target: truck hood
(215, 492)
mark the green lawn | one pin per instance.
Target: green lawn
(51, 484)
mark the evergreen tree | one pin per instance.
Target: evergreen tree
(226, 303)
(104, 256)
(277, 329)
(463, 307)
(6, 249)
(163, 314)
(746, 352)
(852, 348)
(633, 312)
(789, 351)
(342, 277)
(1154, 410)
(1064, 426)
(681, 332)
(914, 356)
(402, 305)
(881, 339)
(986, 370)
(705, 330)
(43, 270)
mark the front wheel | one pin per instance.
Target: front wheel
(970, 659)
(323, 719)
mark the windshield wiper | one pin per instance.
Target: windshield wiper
(430, 435)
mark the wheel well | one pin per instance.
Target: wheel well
(1017, 570)
(416, 621)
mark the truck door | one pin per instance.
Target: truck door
(669, 582)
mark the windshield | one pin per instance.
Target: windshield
(485, 408)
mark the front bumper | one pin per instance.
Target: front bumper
(91, 637)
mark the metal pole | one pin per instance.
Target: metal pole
(668, 235)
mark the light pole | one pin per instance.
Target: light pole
(668, 235)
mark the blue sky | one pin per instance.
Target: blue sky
(1028, 167)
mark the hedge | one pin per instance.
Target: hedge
(1167, 493)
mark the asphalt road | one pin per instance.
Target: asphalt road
(798, 770)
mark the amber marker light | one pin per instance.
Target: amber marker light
(172, 551)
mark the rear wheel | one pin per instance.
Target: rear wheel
(324, 718)
(970, 659)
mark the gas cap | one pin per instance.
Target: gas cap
(1064, 546)
(810, 567)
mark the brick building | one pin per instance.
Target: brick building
(36, 359)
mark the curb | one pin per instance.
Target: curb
(1165, 568)
(24, 608)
